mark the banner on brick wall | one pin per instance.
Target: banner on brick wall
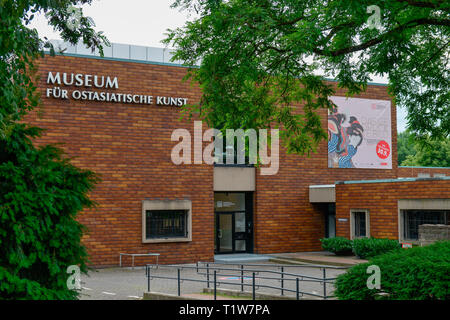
(359, 134)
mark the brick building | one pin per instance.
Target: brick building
(189, 212)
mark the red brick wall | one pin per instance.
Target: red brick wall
(129, 146)
(381, 199)
(412, 172)
(285, 220)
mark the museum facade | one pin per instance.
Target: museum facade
(116, 116)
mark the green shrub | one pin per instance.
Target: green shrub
(370, 247)
(340, 246)
(420, 273)
(41, 194)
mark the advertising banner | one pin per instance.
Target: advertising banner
(359, 134)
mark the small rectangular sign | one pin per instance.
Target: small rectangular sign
(343, 220)
(406, 245)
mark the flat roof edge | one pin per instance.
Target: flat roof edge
(368, 83)
(421, 167)
(78, 55)
(394, 180)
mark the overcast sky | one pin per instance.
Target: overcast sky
(142, 22)
(138, 22)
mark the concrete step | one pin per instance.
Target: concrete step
(240, 258)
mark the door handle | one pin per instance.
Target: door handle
(219, 233)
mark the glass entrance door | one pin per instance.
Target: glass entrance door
(233, 227)
(330, 221)
(225, 232)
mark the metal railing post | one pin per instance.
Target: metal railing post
(179, 284)
(242, 277)
(215, 285)
(297, 288)
(282, 281)
(207, 275)
(197, 266)
(253, 287)
(324, 284)
(148, 278)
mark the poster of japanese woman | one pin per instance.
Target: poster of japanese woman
(359, 133)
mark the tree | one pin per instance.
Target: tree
(433, 154)
(257, 57)
(20, 46)
(430, 153)
(40, 191)
(406, 146)
(40, 196)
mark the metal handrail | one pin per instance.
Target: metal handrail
(297, 277)
(257, 271)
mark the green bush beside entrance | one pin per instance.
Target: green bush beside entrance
(339, 245)
(366, 248)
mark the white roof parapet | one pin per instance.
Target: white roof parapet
(120, 51)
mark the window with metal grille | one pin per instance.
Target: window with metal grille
(359, 218)
(412, 219)
(166, 223)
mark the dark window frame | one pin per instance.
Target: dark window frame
(360, 223)
(359, 220)
(166, 224)
(412, 218)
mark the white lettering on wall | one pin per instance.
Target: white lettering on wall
(52, 79)
(107, 82)
(86, 80)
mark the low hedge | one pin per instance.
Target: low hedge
(339, 245)
(366, 248)
(420, 273)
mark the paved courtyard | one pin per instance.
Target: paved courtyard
(129, 283)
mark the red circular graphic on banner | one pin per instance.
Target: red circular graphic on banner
(383, 149)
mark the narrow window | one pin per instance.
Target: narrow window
(360, 223)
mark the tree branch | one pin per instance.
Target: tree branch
(381, 38)
(423, 4)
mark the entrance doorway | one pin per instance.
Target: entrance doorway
(233, 232)
(330, 221)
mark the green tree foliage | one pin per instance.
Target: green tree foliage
(405, 146)
(40, 196)
(21, 45)
(433, 154)
(420, 273)
(256, 57)
(427, 153)
(40, 191)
